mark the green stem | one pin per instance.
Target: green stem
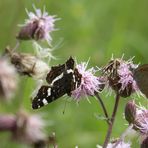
(103, 107)
(112, 121)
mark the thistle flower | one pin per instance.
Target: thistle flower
(8, 79)
(89, 82)
(141, 122)
(29, 128)
(122, 144)
(27, 64)
(38, 26)
(120, 76)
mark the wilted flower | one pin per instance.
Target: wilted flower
(8, 79)
(130, 111)
(27, 64)
(89, 82)
(29, 128)
(38, 26)
(120, 76)
(121, 144)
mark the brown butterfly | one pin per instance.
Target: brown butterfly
(141, 77)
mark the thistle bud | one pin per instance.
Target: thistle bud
(130, 112)
(27, 64)
(28, 32)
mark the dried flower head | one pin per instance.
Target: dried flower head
(38, 26)
(121, 144)
(29, 128)
(120, 76)
(89, 82)
(8, 79)
(141, 121)
(130, 111)
(27, 64)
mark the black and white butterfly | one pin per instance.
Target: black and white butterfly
(62, 79)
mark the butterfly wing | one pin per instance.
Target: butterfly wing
(48, 94)
(75, 81)
(141, 77)
(57, 72)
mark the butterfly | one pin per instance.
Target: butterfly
(62, 79)
(141, 77)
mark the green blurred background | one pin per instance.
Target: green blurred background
(95, 29)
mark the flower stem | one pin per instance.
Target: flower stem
(103, 107)
(112, 121)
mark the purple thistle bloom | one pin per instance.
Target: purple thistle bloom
(39, 25)
(120, 76)
(126, 75)
(89, 83)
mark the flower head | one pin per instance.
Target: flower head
(29, 128)
(120, 76)
(141, 122)
(39, 25)
(89, 82)
(28, 64)
(122, 144)
(8, 79)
